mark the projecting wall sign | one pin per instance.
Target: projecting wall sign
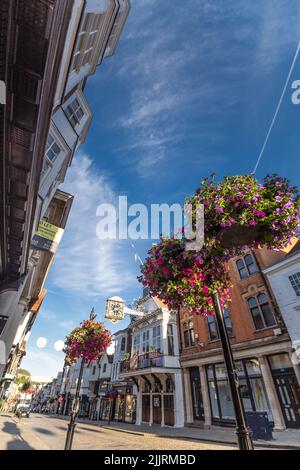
(47, 237)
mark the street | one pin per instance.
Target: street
(40, 432)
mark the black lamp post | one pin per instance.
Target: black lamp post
(76, 401)
(229, 238)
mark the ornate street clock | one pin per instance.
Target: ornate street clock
(115, 309)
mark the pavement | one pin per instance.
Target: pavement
(287, 439)
(48, 432)
(44, 432)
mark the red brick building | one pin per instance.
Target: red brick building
(261, 347)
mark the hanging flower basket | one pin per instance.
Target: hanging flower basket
(177, 276)
(239, 213)
(89, 341)
(271, 210)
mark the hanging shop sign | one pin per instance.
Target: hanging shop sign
(47, 237)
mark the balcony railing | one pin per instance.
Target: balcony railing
(142, 361)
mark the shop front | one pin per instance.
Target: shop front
(287, 388)
(252, 390)
(157, 402)
(125, 405)
(121, 407)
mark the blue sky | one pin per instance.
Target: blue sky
(192, 89)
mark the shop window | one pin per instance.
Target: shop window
(295, 281)
(188, 334)
(251, 384)
(246, 266)
(261, 312)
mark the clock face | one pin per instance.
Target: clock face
(114, 311)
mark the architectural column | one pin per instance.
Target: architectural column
(151, 409)
(139, 403)
(205, 397)
(162, 409)
(279, 423)
(189, 418)
(178, 401)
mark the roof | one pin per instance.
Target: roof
(159, 303)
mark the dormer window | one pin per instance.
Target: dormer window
(51, 153)
(74, 112)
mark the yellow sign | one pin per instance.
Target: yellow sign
(47, 237)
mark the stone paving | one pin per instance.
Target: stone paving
(288, 439)
(40, 432)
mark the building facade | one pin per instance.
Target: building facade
(261, 347)
(154, 367)
(49, 48)
(99, 384)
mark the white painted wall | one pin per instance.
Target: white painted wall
(288, 301)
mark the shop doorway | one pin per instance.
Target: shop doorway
(146, 408)
(198, 408)
(287, 387)
(156, 409)
(288, 391)
(169, 410)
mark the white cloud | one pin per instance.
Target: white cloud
(43, 363)
(84, 264)
(67, 324)
(187, 61)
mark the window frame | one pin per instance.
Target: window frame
(156, 337)
(91, 27)
(123, 344)
(46, 160)
(295, 283)
(189, 339)
(246, 266)
(258, 306)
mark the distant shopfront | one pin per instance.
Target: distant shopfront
(252, 389)
(122, 408)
